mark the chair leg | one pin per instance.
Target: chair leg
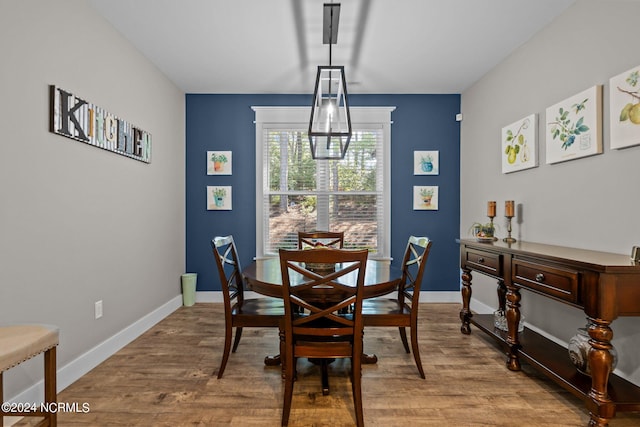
(403, 336)
(236, 341)
(416, 350)
(50, 387)
(290, 369)
(356, 386)
(227, 349)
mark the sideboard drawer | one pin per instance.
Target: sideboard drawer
(487, 262)
(546, 279)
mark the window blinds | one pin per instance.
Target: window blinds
(302, 194)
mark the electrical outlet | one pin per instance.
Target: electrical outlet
(98, 309)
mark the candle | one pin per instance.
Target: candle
(491, 209)
(509, 208)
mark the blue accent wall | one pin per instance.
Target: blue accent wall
(226, 123)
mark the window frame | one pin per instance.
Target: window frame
(298, 118)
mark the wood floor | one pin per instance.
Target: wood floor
(167, 377)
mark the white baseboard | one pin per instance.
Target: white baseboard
(440, 296)
(216, 296)
(425, 296)
(75, 369)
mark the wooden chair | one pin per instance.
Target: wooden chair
(314, 239)
(402, 311)
(19, 343)
(322, 332)
(239, 311)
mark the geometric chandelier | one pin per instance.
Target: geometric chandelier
(330, 122)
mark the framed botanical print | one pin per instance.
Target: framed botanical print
(218, 198)
(425, 198)
(218, 162)
(426, 163)
(574, 126)
(519, 149)
(624, 109)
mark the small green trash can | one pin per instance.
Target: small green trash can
(189, 288)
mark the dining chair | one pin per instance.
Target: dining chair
(314, 239)
(322, 332)
(402, 311)
(239, 311)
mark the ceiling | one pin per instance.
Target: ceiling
(274, 46)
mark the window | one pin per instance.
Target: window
(296, 193)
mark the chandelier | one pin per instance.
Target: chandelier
(330, 122)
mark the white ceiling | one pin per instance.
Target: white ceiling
(274, 46)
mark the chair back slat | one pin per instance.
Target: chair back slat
(229, 270)
(324, 296)
(314, 239)
(413, 265)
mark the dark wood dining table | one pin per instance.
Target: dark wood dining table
(264, 277)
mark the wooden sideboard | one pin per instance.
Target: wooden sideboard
(603, 285)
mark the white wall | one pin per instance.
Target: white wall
(79, 224)
(587, 203)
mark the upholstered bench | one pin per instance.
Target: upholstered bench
(19, 343)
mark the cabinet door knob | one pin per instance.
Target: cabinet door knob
(539, 277)
(480, 260)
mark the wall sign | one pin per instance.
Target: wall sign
(77, 119)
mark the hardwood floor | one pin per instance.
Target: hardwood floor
(167, 377)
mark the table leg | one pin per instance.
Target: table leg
(600, 406)
(369, 359)
(502, 295)
(465, 313)
(272, 360)
(277, 359)
(325, 376)
(513, 320)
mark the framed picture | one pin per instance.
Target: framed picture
(218, 162)
(426, 163)
(574, 126)
(425, 198)
(520, 145)
(624, 109)
(218, 198)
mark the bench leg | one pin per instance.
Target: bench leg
(1, 399)
(50, 390)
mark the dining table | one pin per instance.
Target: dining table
(264, 276)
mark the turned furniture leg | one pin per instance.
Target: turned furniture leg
(502, 295)
(601, 408)
(465, 313)
(513, 319)
(369, 358)
(280, 358)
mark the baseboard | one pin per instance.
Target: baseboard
(425, 296)
(440, 296)
(78, 367)
(212, 296)
(216, 296)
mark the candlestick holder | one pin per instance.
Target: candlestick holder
(509, 239)
(493, 228)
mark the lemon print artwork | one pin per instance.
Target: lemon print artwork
(624, 101)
